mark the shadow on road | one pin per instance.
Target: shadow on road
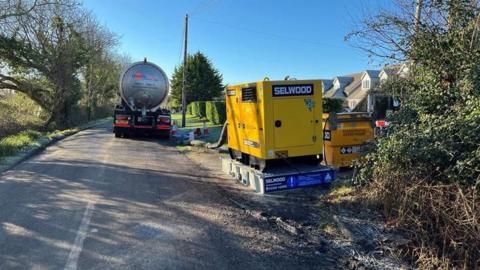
(150, 208)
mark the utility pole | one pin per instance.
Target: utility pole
(184, 80)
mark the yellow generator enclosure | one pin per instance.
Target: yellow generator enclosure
(344, 136)
(275, 119)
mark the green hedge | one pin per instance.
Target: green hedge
(332, 104)
(216, 111)
(197, 108)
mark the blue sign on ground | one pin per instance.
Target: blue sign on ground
(284, 182)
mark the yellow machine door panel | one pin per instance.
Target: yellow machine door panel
(250, 127)
(250, 124)
(233, 119)
(293, 123)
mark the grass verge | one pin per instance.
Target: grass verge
(13, 144)
(194, 122)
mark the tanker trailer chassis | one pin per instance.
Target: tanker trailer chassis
(128, 123)
(143, 90)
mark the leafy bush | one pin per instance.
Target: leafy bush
(195, 108)
(332, 104)
(192, 108)
(426, 177)
(216, 111)
(201, 109)
(426, 174)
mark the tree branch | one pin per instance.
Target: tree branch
(21, 11)
(38, 94)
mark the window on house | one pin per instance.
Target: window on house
(366, 84)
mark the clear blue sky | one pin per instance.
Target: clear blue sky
(245, 40)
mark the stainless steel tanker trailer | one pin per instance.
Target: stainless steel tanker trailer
(143, 90)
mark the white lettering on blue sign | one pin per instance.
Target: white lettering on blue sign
(275, 180)
(292, 90)
(298, 180)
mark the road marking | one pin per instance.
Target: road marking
(81, 235)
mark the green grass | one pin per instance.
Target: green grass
(193, 122)
(64, 132)
(10, 145)
(13, 144)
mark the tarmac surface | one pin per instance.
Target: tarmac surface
(92, 201)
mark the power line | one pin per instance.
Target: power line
(268, 34)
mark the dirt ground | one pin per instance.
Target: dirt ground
(321, 221)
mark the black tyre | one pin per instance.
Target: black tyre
(117, 134)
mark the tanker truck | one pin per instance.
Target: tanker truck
(143, 90)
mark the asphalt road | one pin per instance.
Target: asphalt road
(92, 201)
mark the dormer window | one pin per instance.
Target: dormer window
(336, 85)
(366, 84)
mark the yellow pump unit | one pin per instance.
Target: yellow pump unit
(344, 136)
(270, 120)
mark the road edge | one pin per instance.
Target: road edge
(43, 143)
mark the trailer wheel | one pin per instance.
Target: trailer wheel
(117, 134)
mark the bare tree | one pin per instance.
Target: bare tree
(16, 8)
(390, 33)
(45, 51)
(385, 35)
(102, 68)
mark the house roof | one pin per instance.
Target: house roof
(390, 69)
(358, 94)
(372, 73)
(351, 85)
(327, 84)
(344, 79)
(355, 91)
(338, 92)
(332, 92)
(355, 84)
